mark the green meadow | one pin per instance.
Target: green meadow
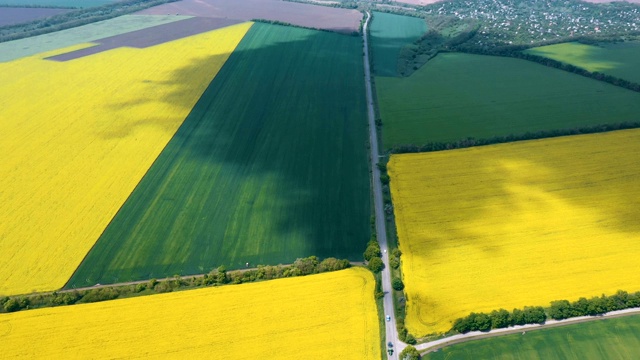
(615, 59)
(455, 96)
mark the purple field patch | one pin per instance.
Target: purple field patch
(17, 15)
(150, 36)
(314, 16)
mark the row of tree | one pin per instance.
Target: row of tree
(346, 4)
(517, 51)
(498, 319)
(284, 23)
(469, 142)
(598, 305)
(220, 276)
(558, 310)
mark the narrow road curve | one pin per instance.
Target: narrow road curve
(381, 233)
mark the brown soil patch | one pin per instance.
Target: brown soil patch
(13, 16)
(314, 16)
(150, 36)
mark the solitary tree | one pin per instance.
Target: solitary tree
(397, 284)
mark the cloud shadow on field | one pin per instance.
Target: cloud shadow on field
(270, 165)
(510, 186)
(554, 203)
(382, 48)
(179, 82)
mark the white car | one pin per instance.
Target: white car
(388, 318)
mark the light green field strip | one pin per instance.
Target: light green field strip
(16, 49)
(389, 34)
(620, 60)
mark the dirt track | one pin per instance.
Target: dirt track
(151, 36)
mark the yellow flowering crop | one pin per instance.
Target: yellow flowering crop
(78, 136)
(516, 225)
(325, 316)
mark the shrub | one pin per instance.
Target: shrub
(397, 284)
(333, 264)
(376, 265)
(373, 250)
(11, 305)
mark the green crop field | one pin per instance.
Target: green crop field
(389, 34)
(270, 165)
(16, 49)
(617, 338)
(619, 60)
(58, 3)
(455, 96)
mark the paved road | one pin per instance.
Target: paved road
(391, 331)
(476, 335)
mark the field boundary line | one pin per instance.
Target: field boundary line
(435, 345)
(136, 282)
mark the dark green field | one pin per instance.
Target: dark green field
(617, 338)
(389, 34)
(455, 96)
(270, 165)
(619, 60)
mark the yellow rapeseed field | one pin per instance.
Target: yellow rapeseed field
(516, 225)
(78, 136)
(325, 316)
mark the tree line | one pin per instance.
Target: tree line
(284, 23)
(558, 310)
(516, 51)
(541, 134)
(498, 319)
(218, 277)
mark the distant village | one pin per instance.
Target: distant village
(532, 21)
